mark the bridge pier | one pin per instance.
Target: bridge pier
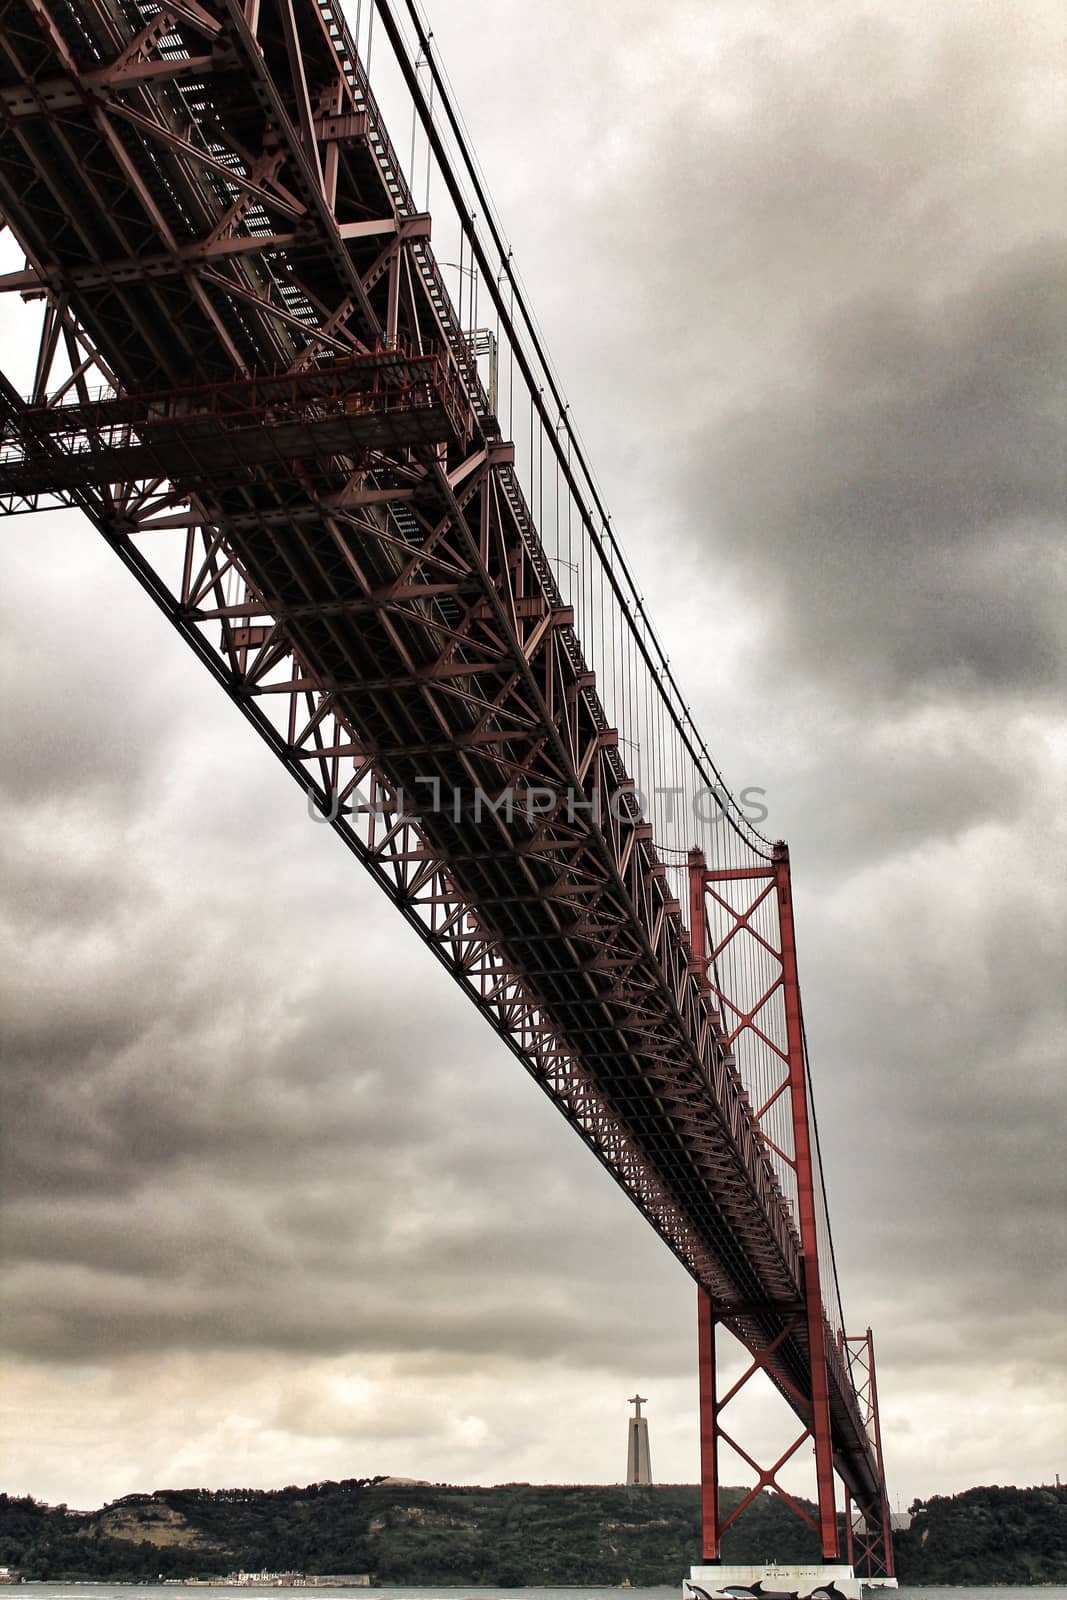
(763, 1327)
(769, 1581)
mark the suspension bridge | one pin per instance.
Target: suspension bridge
(345, 472)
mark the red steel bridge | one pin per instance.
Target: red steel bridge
(338, 459)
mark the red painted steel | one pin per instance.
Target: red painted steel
(802, 1156)
(780, 1033)
(253, 382)
(709, 1438)
(850, 1546)
(706, 1373)
(874, 1535)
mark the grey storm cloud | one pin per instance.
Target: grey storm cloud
(800, 276)
(903, 502)
(220, 1142)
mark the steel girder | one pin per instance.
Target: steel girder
(451, 668)
(205, 196)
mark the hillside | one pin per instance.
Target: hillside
(989, 1535)
(400, 1533)
(511, 1535)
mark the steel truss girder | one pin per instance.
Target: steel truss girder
(602, 873)
(272, 230)
(244, 279)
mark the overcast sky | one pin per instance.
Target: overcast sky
(279, 1207)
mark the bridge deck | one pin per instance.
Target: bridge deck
(207, 196)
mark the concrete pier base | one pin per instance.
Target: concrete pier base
(773, 1582)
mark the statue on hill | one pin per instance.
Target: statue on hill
(638, 1460)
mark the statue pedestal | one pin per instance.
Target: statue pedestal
(792, 1581)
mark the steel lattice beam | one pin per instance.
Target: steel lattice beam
(253, 382)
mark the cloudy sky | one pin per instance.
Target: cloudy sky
(278, 1207)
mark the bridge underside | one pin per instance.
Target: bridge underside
(253, 382)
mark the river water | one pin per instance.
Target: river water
(152, 1591)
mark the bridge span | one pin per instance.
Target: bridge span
(349, 480)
